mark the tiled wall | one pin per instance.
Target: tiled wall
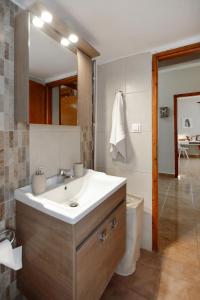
(132, 75)
(14, 140)
(86, 139)
(53, 147)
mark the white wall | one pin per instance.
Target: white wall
(53, 147)
(189, 108)
(133, 76)
(171, 83)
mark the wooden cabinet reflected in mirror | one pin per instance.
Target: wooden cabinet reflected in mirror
(68, 105)
(54, 103)
(37, 102)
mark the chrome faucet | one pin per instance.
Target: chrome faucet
(66, 173)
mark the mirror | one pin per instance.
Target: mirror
(53, 95)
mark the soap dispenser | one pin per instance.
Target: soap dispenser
(38, 182)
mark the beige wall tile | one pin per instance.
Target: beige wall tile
(53, 147)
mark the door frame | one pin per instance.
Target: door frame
(176, 98)
(156, 58)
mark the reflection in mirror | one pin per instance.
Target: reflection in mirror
(52, 81)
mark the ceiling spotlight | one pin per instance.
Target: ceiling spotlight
(46, 17)
(37, 22)
(64, 42)
(73, 38)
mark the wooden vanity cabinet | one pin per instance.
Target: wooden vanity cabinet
(71, 262)
(97, 258)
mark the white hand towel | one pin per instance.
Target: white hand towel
(118, 135)
(10, 257)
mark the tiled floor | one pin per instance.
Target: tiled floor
(174, 272)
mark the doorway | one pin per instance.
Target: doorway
(187, 140)
(178, 53)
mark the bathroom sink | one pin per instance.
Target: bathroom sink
(73, 200)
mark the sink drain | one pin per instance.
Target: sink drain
(73, 204)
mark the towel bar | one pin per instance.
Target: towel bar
(8, 234)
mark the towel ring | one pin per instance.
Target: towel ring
(7, 234)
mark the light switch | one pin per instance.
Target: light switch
(136, 127)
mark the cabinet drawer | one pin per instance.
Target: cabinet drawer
(85, 226)
(98, 257)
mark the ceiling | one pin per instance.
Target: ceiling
(119, 28)
(48, 60)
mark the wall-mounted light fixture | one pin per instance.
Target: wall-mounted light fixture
(59, 30)
(64, 42)
(46, 17)
(37, 22)
(73, 38)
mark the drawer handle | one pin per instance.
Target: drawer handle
(103, 235)
(114, 223)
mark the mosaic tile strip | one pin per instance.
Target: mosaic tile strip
(14, 141)
(87, 147)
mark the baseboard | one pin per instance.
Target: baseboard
(194, 155)
(167, 175)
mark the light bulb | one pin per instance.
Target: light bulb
(64, 42)
(37, 22)
(46, 17)
(73, 38)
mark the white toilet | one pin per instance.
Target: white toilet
(134, 211)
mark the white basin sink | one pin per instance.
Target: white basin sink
(71, 201)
